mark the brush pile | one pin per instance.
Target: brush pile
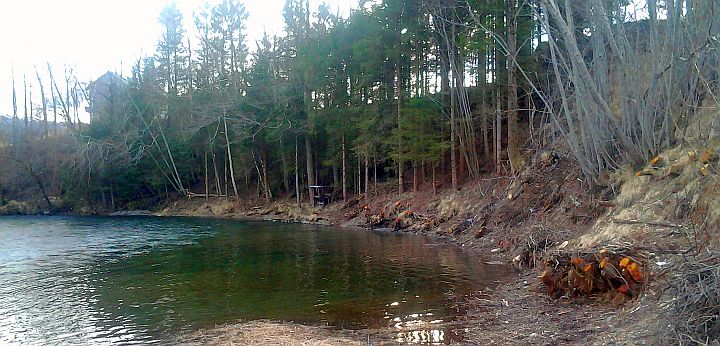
(615, 275)
(398, 217)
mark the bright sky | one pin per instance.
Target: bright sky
(95, 36)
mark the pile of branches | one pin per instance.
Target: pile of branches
(532, 248)
(615, 275)
(695, 300)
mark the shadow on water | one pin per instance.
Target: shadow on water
(142, 279)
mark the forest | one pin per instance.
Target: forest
(399, 96)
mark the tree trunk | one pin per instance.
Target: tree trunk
(367, 174)
(25, 90)
(31, 105)
(67, 98)
(225, 178)
(498, 133)
(344, 171)
(310, 168)
(112, 197)
(218, 190)
(262, 188)
(399, 125)
(297, 175)
(54, 105)
(375, 180)
(513, 147)
(65, 106)
(230, 160)
(359, 177)
(434, 181)
(484, 128)
(285, 170)
(103, 199)
(482, 79)
(15, 117)
(453, 143)
(415, 177)
(207, 183)
(268, 192)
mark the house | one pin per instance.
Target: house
(104, 95)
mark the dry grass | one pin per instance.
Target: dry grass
(693, 302)
(266, 333)
(680, 185)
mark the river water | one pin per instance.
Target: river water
(101, 280)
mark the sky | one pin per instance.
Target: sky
(95, 36)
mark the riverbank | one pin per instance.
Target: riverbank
(266, 333)
(502, 219)
(560, 235)
(546, 222)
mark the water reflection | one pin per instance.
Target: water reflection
(137, 280)
(419, 328)
(424, 336)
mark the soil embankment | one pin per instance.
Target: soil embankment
(588, 261)
(502, 219)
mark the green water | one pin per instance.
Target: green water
(68, 280)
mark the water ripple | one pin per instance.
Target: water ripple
(67, 280)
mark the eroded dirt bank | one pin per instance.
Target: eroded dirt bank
(563, 238)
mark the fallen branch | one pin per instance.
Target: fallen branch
(648, 223)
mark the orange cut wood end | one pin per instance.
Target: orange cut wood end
(704, 171)
(707, 154)
(634, 270)
(624, 262)
(577, 261)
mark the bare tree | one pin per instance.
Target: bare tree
(43, 101)
(15, 117)
(656, 75)
(25, 91)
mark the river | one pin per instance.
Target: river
(100, 280)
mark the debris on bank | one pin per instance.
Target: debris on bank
(266, 333)
(610, 275)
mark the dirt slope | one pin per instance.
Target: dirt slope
(564, 238)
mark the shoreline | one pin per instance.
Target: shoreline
(327, 221)
(542, 219)
(242, 332)
(488, 218)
